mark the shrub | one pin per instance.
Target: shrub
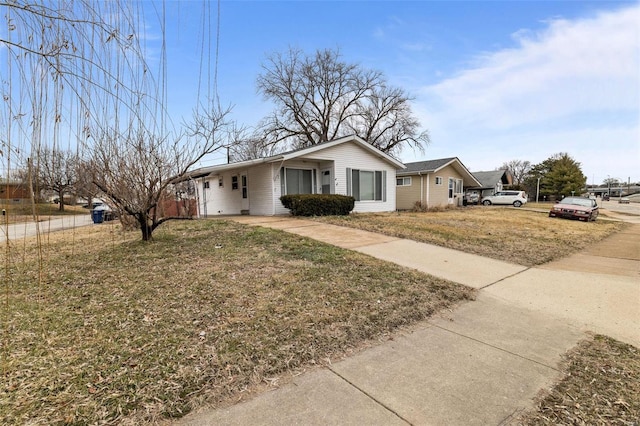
(318, 204)
(419, 206)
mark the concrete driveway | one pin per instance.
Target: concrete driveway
(481, 364)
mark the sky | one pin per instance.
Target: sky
(492, 81)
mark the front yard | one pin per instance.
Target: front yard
(101, 328)
(514, 235)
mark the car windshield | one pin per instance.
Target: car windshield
(584, 202)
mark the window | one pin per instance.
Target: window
(451, 187)
(206, 185)
(458, 186)
(244, 186)
(220, 182)
(438, 180)
(297, 181)
(403, 181)
(234, 182)
(365, 185)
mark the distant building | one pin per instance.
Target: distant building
(492, 181)
(15, 191)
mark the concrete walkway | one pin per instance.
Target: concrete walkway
(481, 364)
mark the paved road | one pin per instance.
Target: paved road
(482, 363)
(30, 229)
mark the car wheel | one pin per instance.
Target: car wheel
(517, 203)
(486, 202)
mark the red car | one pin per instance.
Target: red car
(575, 208)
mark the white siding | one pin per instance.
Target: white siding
(218, 200)
(261, 184)
(264, 186)
(350, 155)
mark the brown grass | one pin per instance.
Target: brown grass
(101, 328)
(601, 386)
(514, 235)
(23, 212)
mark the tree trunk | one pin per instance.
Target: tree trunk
(61, 201)
(145, 228)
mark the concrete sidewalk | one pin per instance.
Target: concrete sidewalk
(481, 364)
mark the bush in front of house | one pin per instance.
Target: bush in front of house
(318, 204)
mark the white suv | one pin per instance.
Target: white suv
(516, 198)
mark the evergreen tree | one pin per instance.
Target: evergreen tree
(560, 176)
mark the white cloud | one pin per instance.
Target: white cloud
(572, 87)
(570, 67)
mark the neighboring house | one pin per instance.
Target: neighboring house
(15, 191)
(433, 183)
(493, 181)
(347, 166)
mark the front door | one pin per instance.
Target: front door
(451, 189)
(325, 181)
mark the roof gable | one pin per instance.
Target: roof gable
(490, 178)
(326, 145)
(204, 171)
(434, 166)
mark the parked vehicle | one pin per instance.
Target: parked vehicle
(515, 198)
(472, 197)
(575, 208)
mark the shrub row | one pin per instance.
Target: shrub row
(318, 204)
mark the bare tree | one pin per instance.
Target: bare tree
(136, 169)
(57, 170)
(320, 97)
(68, 63)
(249, 146)
(519, 169)
(85, 187)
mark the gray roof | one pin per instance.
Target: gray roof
(489, 179)
(427, 166)
(434, 166)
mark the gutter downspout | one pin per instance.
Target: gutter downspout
(428, 185)
(421, 189)
(273, 198)
(204, 198)
(195, 185)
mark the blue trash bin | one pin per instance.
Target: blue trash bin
(97, 216)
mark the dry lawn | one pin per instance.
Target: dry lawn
(514, 235)
(601, 386)
(99, 327)
(23, 212)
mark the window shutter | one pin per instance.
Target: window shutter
(384, 185)
(348, 181)
(314, 181)
(282, 181)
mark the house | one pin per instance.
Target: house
(492, 181)
(14, 191)
(347, 166)
(433, 183)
